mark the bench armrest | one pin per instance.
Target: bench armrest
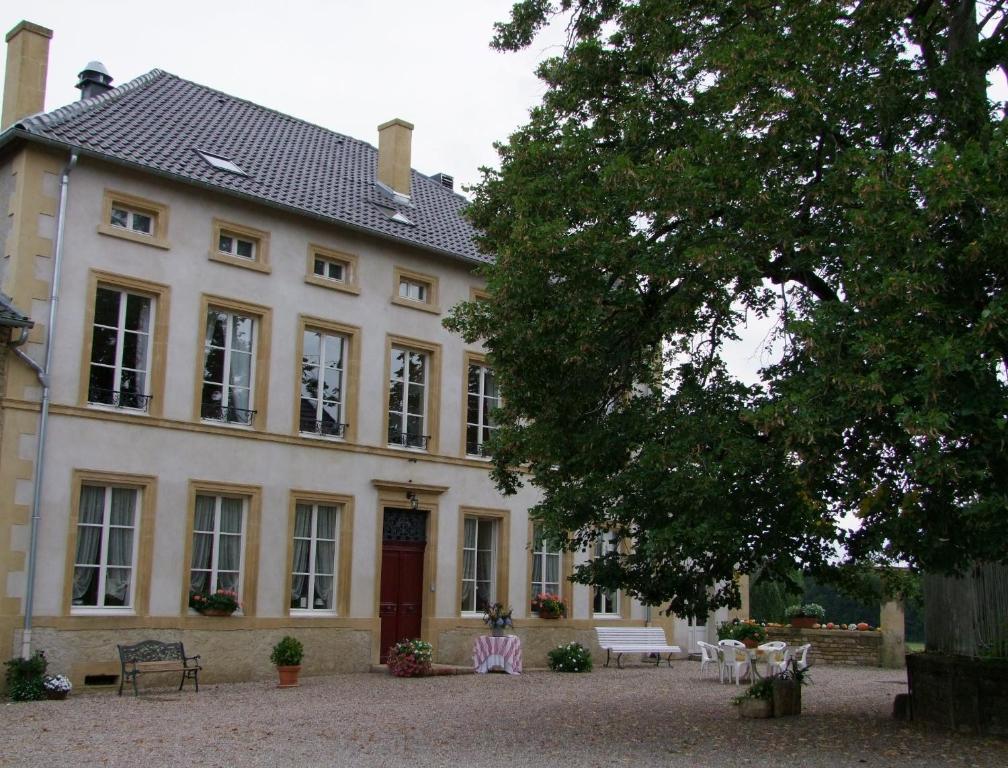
(190, 658)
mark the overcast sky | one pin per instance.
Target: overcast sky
(345, 65)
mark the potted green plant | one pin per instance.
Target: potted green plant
(223, 602)
(749, 633)
(805, 615)
(549, 606)
(757, 701)
(498, 618)
(410, 658)
(787, 686)
(287, 655)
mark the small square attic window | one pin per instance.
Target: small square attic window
(221, 163)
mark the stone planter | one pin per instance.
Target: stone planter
(759, 708)
(786, 698)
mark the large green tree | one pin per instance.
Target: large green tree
(835, 168)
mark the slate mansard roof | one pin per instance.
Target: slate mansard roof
(160, 123)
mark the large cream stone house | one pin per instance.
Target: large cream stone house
(249, 387)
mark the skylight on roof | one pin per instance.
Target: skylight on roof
(221, 163)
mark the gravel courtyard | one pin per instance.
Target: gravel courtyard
(638, 716)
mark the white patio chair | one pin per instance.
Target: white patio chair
(800, 655)
(775, 655)
(709, 655)
(735, 660)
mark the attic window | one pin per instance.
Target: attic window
(221, 163)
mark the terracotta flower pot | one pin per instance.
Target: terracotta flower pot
(748, 642)
(215, 612)
(804, 622)
(548, 614)
(288, 676)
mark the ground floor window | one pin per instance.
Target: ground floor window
(605, 603)
(313, 577)
(105, 557)
(217, 546)
(479, 564)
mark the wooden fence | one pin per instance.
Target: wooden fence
(967, 616)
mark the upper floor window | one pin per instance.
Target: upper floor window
(332, 269)
(482, 399)
(233, 245)
(240, 246)
(415, 290)
(106, 553)
(229, 367)
(605, 603)
(323, 383)
(407, 419)
(119, 373)
(313, 571)
(134, 218)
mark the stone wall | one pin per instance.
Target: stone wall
(226, 656)
(834, 646)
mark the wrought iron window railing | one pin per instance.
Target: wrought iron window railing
(478, 449)
(407, 439)
(324, 428)
(118, 399)
(227, 413)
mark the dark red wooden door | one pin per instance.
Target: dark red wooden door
(401, 603)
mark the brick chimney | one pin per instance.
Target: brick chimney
(394, 139)
(27, 65)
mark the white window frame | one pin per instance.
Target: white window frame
(214, 573)
(406, 382)
(326, 262)
(106, 526)
(121, 331)
(481, 396)
(131, 219)
(225, 383)
(313, 541)
(408, 287)
(235, 239)
(606, 539)
(320, 365)
(540, 553)
(494, 524)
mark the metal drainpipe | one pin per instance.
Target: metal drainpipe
(43, 377)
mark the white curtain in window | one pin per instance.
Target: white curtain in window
(552, 580)
(202, 544)
(120, 554)
(469, 565)
(325, 555)
(89, 530)
(302, 543)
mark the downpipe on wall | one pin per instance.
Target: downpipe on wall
(43, 374)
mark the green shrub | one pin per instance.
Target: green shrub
(572, 657)
(25, 678)
(288, 652)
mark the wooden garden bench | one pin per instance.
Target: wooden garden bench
(620, 640)
(155, 656)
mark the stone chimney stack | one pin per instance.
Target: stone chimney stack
(394, 139)
(27, 66)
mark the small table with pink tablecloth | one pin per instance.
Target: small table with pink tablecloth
(504, 652)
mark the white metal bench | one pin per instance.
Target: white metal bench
(620, 640)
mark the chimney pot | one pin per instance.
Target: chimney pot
(93, 80)
(394, 139)
(27, 66)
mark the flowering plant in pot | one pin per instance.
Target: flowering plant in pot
(25, 677)
(498, 618)
(410, 658)
(748, 632)
(805, 615)
(549, 606)
(223, 602)
(57, 686)
(287, 655)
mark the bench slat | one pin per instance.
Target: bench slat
(161, 666)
